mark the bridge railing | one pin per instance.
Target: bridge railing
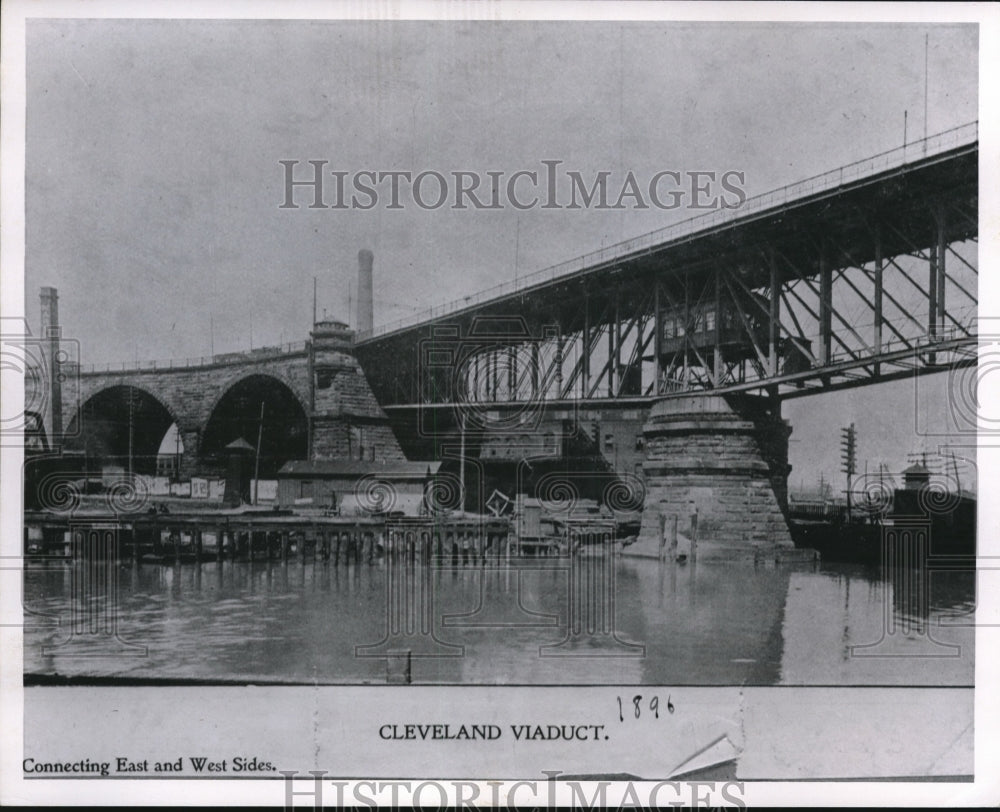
(240, 357)
(965, 134)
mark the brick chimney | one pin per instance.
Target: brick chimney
(51, 332)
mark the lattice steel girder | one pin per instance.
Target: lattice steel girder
(930, 202)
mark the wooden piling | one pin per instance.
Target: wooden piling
(397, 668)
(694, 536)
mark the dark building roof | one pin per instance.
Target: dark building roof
(343, 469)
(916, 470)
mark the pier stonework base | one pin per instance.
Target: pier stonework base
(347, 422)
(727, 459)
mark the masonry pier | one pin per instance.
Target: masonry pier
(718, 466)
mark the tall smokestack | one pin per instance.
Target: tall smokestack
(365, 317)
(52, 417)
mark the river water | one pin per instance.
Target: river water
(545, 621)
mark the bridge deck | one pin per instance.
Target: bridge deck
(891, 186)
(787, 272)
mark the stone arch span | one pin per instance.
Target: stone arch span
(236, 413)
(121, 424)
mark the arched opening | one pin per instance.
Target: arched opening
(283, 433)
(121, 426)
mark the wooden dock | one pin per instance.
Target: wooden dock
(265, 536)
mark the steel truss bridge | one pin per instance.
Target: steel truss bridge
(864, 274)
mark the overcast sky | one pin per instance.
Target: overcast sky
(153, 182)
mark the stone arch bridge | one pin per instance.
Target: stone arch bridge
(314, 398)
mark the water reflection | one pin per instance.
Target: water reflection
(898, 630)
(542, 621)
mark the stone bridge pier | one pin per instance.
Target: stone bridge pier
(726, 459)
(190, 462)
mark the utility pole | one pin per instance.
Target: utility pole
(848, 451)
(131, 400)
(517, 249)
(461, 458)
(256, 466)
